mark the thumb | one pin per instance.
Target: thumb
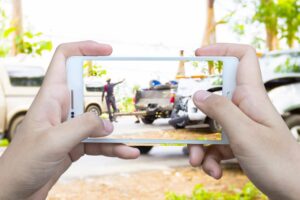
(221, 109)
(70, 133)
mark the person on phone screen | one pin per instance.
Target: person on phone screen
(110, 98)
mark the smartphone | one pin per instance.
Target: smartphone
(149, 99)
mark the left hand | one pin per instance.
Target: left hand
(46, 144)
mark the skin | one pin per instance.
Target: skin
(258, 136)
(46, 144)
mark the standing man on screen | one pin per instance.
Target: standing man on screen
(110, 97)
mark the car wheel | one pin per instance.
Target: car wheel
(293, 122)
(13, 126)
(148, 119)
(214, 126)
(95, 109)
(179, 124)
(144, 149)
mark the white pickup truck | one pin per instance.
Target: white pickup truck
(19, 83)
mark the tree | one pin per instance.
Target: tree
(92, 69)
(181, 68)
(14, 40)
(266, 14)
(280, 18)
(16, 24)
(209, 36)
(289, 12)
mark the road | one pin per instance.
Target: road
(126, 125)
(159, 158)
(125, 128)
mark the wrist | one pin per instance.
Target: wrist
(5, 184)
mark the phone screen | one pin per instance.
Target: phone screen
(151, 100)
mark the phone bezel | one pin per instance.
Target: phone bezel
(75, 84)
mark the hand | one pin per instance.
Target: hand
(258, 136)
(46, 144)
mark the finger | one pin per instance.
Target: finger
(219, 107)
(57, 70)
(249, 81)
(211, 164)
(112, 150)
(196, 154)
(70, 133)
(256, 104)
(248, 68)
(213, 157)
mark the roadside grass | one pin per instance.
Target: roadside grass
(249, 192)
(4, 142)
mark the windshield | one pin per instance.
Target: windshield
(26, 76)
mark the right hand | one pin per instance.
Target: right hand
(258, 136)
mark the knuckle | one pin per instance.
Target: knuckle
(92, 120)
(250, 48)
(61, 46)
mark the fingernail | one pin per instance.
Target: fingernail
(108, 126)
(201, 95)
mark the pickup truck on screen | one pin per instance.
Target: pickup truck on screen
(157, 102)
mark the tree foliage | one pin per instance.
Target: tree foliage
(289, 12)
(91, 69)
(281, 19)
(28, 42)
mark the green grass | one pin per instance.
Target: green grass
(4, 143)
(249, 192)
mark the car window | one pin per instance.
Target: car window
(25, 76)
(94, 89)
(26, 81)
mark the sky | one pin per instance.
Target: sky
(132, 27)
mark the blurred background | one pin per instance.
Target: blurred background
(30, 30)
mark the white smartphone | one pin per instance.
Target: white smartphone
(149, 99)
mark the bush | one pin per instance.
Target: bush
(249, 192)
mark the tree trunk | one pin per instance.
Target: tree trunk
(271, 28)
(16, 22)
(272, 40)
(181, 69)
(209, 36)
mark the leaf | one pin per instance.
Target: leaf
(38, 34)
(28, 34)
(8, 31)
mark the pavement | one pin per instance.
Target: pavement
(159, 158)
